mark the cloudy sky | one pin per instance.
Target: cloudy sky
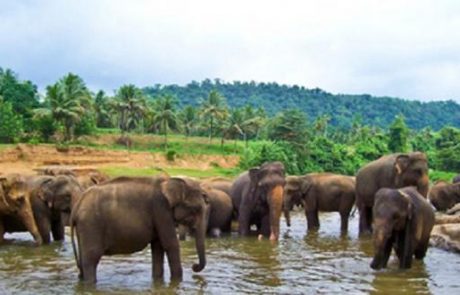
(408, 49)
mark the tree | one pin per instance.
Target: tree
(213, 109)
(291, 126)
(165, 116)
(10, 123)
(102, 108)
(398, 135)
(66, 102)
(188, 119)
(130, 105)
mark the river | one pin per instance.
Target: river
(318, 263)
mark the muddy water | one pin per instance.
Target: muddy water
(321, 263)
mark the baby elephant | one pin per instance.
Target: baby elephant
(126, 214)
(320, 192)
(402, 220)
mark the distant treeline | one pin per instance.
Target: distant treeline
(268, 121)
(342, 108)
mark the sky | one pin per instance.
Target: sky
(408, 49)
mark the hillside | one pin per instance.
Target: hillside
(342, 108)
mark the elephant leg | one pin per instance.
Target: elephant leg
(215, 232)
(265, 226)
(344, 222)
(158, 255)
(312, 219)
(365, 220)
(421, 250)
(89, 261)
(57, 228)
(2, 232)
(243, 221)
(175, 265)
(44, 228)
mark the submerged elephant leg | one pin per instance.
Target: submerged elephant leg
(312, 220)
(175, 266)
(158, 255)
(265, 226)
(44, 228)
(420, 252)
(2, 232)
(57, 229)
(365, 220)
(90, 260)
(344, 222)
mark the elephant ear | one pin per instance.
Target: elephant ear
(410, 207)
(305, 185)
(401, 163)
(40, 191)
(174, 189)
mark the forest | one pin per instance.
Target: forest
(308, 129)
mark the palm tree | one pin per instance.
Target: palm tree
(130, 105)
(188, 119)
(102, 109)
(165, 117)
(66, 101)
(213, 109)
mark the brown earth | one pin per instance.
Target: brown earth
(27, 159)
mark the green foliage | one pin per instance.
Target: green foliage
(10, 123)
(398, 136)
(45, 126)
(86, 125)
(213, 110)
(290, 125)
(171, 155)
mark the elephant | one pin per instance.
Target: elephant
(91, 178)
(51, 198)
(257, 197)
(320, 192)
(402, 220)
(391, 171)
(444, 195)
(126, 214)
(456, 179)
(219, 213)
(15, 201)
(219, 183)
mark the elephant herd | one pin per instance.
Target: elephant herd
(125, 214)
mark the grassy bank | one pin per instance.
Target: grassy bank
(197, 173)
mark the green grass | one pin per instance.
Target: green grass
(441, 175)
(128, 171)
(4, 146)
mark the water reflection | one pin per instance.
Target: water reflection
(318, 262)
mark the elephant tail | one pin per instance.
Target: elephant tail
(353, 211)
(73, 225)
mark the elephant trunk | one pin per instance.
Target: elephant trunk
(423, 186)
(286, 209)
(200, 235)
(27, 217)
(382, 248)
(275, 198)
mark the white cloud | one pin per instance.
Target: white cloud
(398, 48)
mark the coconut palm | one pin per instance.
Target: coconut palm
(165, 117)
(188, 119)
(66, 101)
(213, 109)
(130, 105)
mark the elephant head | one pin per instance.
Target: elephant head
(412, 170)
(189, 204)
(15, 200)
(444, 195)
(393, 214)
(267, 185)
(60, 192)
(294, 191)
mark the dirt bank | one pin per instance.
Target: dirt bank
(24, 158)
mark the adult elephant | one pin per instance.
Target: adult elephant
(456, 178)
(126, 214)
(218, 213)
(391, 171)
(444, 195)
(51, 198)
(257, 197)
(15, 202)
(219, 183)
(403, 220)
(320, 192)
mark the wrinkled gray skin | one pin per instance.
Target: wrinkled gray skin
(126, 214)
(320, 192)
(218, 215)
(456, 179)
(257, 197)
(391, 171)
(15, 202)
(444, 195)
(402, 220)
(50, 198)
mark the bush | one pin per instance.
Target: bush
(171, 155)
(11, 126)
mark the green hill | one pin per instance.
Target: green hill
(342, 108)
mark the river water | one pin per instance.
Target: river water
(301, 263)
